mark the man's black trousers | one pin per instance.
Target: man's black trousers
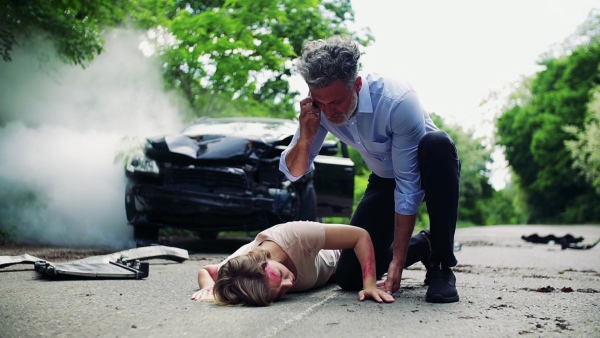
(440, 177)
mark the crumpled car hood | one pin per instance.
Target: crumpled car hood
(208, 147)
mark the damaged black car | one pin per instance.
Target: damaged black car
(222, 174)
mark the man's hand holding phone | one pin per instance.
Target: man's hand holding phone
(310, 119)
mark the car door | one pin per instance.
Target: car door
(334, 185)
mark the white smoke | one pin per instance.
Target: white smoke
(59, 128)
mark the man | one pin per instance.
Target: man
(410, 159)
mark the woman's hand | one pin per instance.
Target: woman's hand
(204, 294)
(348, 236)
(206, 280)
(376, 294)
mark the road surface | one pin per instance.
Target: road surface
(508, 288)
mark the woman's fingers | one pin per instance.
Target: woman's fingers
(377, 295)
(203, 294)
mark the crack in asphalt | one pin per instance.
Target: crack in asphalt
(274, 331)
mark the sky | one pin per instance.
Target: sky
(456, 52)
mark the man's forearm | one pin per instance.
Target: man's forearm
(297, 159)
(405, 224)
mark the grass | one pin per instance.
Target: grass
(239, 234)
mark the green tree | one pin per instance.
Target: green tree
(533, 133)
(475, 188)
(585, 148)
(75, 26)
(228, 57)
(234, 56)
(504, 206)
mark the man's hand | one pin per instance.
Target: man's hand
(394, 275)
(376, 294)
(310, 119)
(204, 294)
(402, 231)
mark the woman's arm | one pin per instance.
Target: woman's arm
(339, 236)
(207, 276)
(206, 280)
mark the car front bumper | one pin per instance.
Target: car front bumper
(171, 206)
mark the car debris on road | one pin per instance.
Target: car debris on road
(122, 264)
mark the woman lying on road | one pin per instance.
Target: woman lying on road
(294, 257)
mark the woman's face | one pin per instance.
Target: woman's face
(280, 279)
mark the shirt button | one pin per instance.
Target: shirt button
(358, 142)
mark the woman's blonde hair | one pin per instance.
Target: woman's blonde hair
(243, 281)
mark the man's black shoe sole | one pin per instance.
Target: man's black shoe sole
(441, 299)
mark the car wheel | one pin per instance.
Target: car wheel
(130, 210)
(295, 201)
(308, 204)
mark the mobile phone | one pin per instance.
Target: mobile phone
(314, 104)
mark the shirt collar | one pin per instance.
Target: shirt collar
(364, 98)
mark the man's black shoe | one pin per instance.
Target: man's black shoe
(442, 286)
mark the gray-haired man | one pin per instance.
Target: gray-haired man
(410, 159)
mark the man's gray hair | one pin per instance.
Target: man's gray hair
(325, 61)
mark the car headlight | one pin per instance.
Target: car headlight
(139, 163)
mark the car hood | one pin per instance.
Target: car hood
(209, 139)
(209, 147)
(215, 147)
(266, 130)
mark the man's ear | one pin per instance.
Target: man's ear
(358, 84)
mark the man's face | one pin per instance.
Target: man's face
(336, 101)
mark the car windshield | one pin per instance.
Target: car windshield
(244, 127)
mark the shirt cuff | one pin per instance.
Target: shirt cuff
(284, 169)
(408, 204)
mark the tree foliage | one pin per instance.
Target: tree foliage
(533, 133)
(75, 26)
(479, 203)
(234, 56)
(227, 57)
(585, 148)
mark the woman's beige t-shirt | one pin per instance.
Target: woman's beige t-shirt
(303, 241)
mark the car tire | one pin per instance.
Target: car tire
(130, 210)
(308, 204)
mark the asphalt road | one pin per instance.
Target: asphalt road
(508, 288)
